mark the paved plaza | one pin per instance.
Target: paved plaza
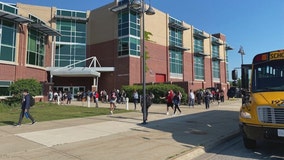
(121, 136)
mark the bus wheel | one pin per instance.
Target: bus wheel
(249, 143)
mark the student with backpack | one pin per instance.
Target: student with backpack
(176, 101)
(27, 102)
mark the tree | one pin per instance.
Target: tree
(32, 85)
(147, 38)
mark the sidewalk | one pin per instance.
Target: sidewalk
(121, 136)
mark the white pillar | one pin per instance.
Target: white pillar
(88, 100)
(58, 99)
(127, 104)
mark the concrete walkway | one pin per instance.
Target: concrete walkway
(121, 136)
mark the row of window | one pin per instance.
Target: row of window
(35, 46)
(129, 44)
(74, 45)
(71, 46)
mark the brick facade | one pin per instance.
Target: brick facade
(102, 42)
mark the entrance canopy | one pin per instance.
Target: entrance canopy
(14, 17)
(93, 70)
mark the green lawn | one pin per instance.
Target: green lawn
(47, 111)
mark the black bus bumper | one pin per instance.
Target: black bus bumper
(262, 133)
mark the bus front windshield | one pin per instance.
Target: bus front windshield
(268, 76)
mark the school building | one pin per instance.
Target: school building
(100, 49)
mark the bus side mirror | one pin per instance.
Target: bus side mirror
(235, 74)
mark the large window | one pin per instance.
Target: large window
(227, 65)
(198, 58)
(67, 54)
(176, 64)
(7, 42)
(215, 63)
(176, 37)
(176, 45)
(4, 85)
(198, 45)
(36, 48)
(71, 46)
(129, 33)
(268, 76)
(199, 67)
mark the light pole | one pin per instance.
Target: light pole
(139, 5)
(242, 52)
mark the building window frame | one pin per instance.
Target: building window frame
(36, 48)
(176, 64)
(71, 46)
(215, 63)
(7, 44)
(199, 73)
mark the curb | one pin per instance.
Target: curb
(199, 150)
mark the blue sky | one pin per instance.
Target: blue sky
(257, 25)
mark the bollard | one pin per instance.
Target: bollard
(88, 101)
(58, 100)
(127, 100)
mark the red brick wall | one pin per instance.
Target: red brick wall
(107, 56)
(188, 67)
(128, 68)
(7, 72)
(135, 72)
(157, 61)
(208, 72)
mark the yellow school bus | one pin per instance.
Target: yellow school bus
(262, 112)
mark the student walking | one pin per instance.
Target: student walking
(169, 98)
(69, 97)
(135, 98)
(25, 109)
(112, 101)
(96, 98)
(207, 99)
(149, 102)
(177, 100)
(191, 99)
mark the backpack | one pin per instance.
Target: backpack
(32, 101)
(148, 101)
(176, 100)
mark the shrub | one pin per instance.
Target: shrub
(32, 85)
(159, 90)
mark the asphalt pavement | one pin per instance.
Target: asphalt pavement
(122, 136)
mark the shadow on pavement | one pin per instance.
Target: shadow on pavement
(200, 129)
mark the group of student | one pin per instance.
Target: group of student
(173, 100)
(59, 97)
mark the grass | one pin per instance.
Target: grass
(9, 115)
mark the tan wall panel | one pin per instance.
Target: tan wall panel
(41, 12)
(187, 37)
(222, 51)
(102, 25)
(157, 24)
(207, 44)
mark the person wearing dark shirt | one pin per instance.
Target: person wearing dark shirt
(207, 99)
(177, 100)
(25, 109)
(149, 97)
